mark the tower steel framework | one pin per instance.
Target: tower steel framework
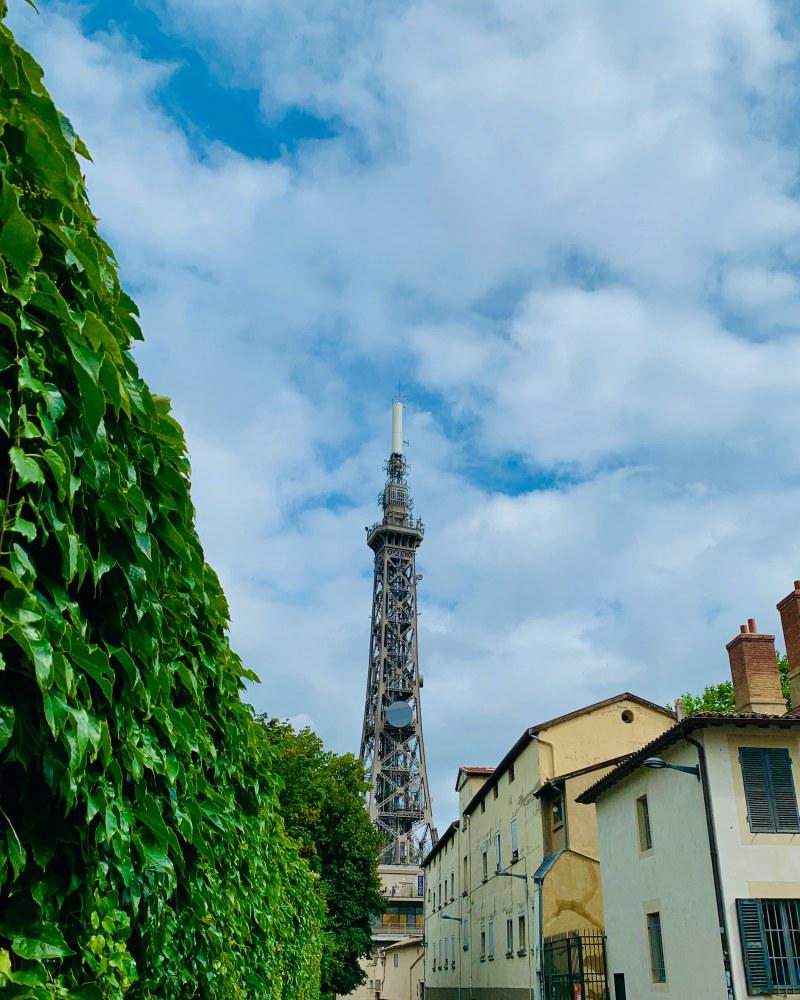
(392, 747)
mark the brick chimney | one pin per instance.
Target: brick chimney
(789, 608)
(756, 683)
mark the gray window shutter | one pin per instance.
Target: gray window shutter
(783, 794)
(754, 946)
(756, 778)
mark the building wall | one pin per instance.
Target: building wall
(573, 898)
(572, 893)
(599, 735)
(673, 878)
(753, 865)
(403, 972)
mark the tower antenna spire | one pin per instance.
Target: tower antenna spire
(392, 746)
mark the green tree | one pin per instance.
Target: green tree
(141, 848)
(322, 802)
(720, 697)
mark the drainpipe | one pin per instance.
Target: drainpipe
(712, 847)
(539, 883)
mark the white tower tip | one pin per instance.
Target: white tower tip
(397, 427)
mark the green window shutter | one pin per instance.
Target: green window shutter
(754, 946)
(783, 794)
(756, 778)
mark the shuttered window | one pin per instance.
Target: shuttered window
(769, 789)
(770, 933)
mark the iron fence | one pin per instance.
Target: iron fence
(575, 966)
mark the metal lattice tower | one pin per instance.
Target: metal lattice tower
(391, 741)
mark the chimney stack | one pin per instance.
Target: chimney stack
(789, 608)
(754, 670)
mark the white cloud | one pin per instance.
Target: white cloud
(576, 229)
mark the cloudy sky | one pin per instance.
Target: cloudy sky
(571, 232)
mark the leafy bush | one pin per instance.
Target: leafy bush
(141, 850)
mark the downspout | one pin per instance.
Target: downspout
(539, 883)
(712, 847)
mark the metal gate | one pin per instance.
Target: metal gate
(575, 966)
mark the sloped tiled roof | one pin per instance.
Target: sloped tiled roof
(448, 834)
(678, 732)
(533, 731)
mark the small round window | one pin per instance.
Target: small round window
(627, 715)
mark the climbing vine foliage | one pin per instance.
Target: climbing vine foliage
(141, 850)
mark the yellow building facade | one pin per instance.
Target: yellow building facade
(520, 865)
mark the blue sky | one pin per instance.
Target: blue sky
(570, 232)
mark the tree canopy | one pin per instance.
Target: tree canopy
(142, 853)
(323, 808)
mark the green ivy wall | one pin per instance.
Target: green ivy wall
(141, 850)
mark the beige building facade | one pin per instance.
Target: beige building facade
(394, 969)
(521, 865)
(699, 840)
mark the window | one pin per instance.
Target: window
(770, 932)
(452, 886)
(396, 960)
(514, 840)
(523, 940)
(485, 860)
(497, 851)
(643, 819)
(483, 941)
(453, 950)
(509, 937)
(658, 971)
(490, 954)
(769, 789)
(483, 805)
(466, 875)
(494, 791)
(440, 894)
(511, 774)
(558, 811)
(465, 933)
(619, 986)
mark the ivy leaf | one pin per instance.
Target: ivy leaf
(27, 467)
(5, 411)
(16, 855)
(90, 361)
(39, 652)
(95, 663)
(18, 240)
(7, 716)
(56, 465)
(26, 528)
(40, 941)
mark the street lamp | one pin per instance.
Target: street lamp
(658, 763)
(701, 773)
(444, 916)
